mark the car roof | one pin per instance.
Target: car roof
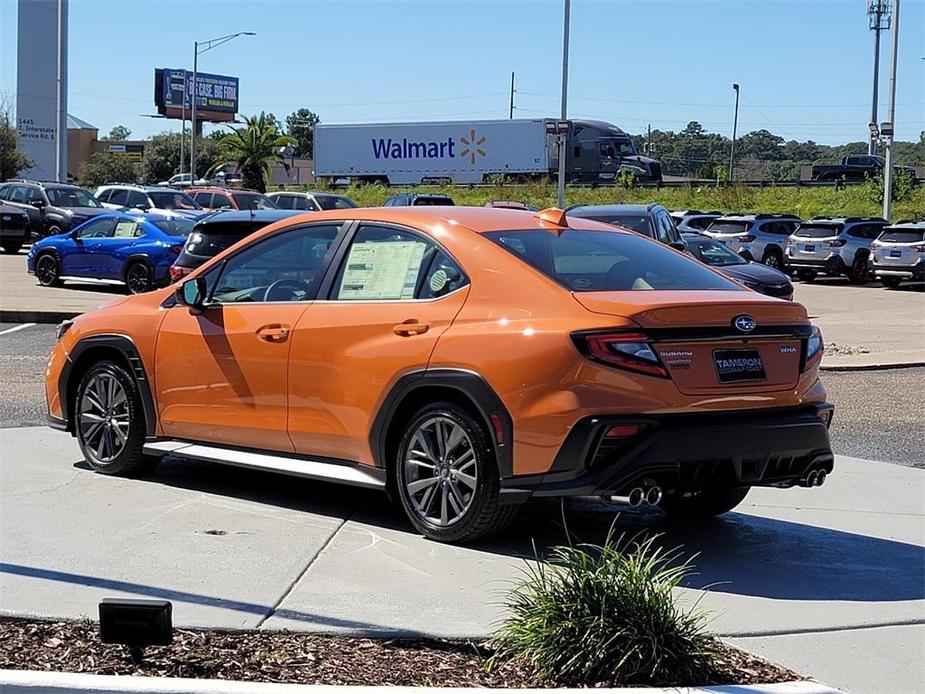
(219, 189)
(306, 193)
(243, 216)
(754, 216)
(821, 219)
(589, 210)
(907, 224)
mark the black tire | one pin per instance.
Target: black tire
(48, 270)
(773, 258)
(704, 503)
(806, 275)
(891, 282)
(12, 247)
(138, 277)
(483, 513)
(54, 229)
(109, 411)
(860, 271)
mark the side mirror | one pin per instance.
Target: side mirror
(192, 293)
(679, 246)
(39, 204)
(141, 206)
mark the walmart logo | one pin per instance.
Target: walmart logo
(388, 148)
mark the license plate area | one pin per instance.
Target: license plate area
(809, 248)
(896, 254)
(737, 365)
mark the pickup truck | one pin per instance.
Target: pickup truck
(854, 167)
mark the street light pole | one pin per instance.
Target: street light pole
(735, 124)
(563, 135)
(183, 125)
(888, 164)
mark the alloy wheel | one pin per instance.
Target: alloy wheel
(138, 279)
(47, 270)
(441, 471)
(104, 418)
(771, 260)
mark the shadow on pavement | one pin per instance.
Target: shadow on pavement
(737, 553)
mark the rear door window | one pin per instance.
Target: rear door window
(283, 202)
(126, 229)
(97, 229)
(383, 264)
(119, 196)
(221, 202)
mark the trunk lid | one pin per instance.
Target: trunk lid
(695, 336)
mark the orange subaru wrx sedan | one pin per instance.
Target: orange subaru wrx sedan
(464, 359)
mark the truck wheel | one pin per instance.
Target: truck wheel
(702, 503)
(447, 476)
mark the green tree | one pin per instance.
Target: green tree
(119, 132)
(162, 156)
(13, 160)
(301, 125)
(254, 148)
(104, 167)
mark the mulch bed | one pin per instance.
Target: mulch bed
(28, 644)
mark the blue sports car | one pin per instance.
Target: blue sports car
(130, 248)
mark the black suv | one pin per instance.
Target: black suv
(217, 231)
(52, 207)
(650, 220)
(408, 199)
(14, 228)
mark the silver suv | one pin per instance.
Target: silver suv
(169, 201)
(758, 237)
(834, 246)
(899, 253)
(693, 221)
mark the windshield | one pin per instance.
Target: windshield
(254, 201)
(214, 238)
(902, 236)
(713, 253)
(637, 223)
(593, 261)
(174, 227)
(71, 197)
(173, 201)
(618, 148)
(334, 202)
(431, 200)
(819, 231)
(729, 227)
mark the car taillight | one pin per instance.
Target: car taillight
(790, 242)
(177, 273)
(837, 243)
(812, 350)
(919, 249)
(872, 247)
(748, 238)
(630, 351)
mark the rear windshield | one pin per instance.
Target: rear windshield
(729, 227)
(254, 201)
(819, 231)
(595, 261)
(431, 200)
(173, 201)
(212, 239)
(902, 236)
(174, 227)
(334, 202)
(636, 222)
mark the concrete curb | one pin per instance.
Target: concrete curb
(14, 316)
(872, 367)
(37, 682)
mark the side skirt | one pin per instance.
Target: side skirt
(328, 471)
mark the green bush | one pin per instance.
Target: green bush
(607, 615)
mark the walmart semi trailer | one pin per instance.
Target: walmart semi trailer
(476, 152)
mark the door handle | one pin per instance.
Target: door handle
(274, 332)
(410, 327)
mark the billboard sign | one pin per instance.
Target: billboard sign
(216, 95)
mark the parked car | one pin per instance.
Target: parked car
(310, 201)
(125, 248)
(183, 180)
(229, 199)
(149, 199)
(215, 232)
(51, 207)
(757, 276)
(898, 254)
(650, 220)
(693, 221)
(467, 360)
(761, 237)
(415, 199)
(14, 228)
(854, 167)
(833, 246)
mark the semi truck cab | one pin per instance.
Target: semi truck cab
(599, 151)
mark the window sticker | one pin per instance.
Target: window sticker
(378, 270)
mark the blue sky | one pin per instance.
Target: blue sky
(804, 65)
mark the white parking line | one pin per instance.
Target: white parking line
(15, 328)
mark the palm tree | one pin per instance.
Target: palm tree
(254, 148)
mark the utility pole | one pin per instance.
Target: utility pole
(192, 144)
(887, 128)
(511, 111)
(563, 135)
(879, 13)
(735, 124)
(183, 126)
(60, 132)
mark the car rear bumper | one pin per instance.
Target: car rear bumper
(769, 448)
(916, 272)
(833, 265)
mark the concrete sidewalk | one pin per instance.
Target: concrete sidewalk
(791, 573)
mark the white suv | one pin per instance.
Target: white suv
(758, 237)
(898, 254)
(834, 246)
(169, 201)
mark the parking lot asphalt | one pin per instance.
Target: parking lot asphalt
(236, 548)
(878, 413)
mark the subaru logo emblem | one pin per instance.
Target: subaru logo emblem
(744, 323)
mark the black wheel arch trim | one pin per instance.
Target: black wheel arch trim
(124, 345)
(467, 383)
